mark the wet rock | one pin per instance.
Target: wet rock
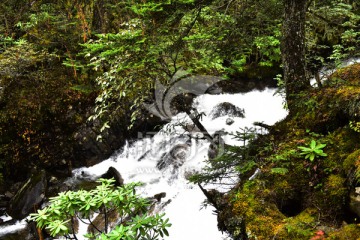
(6, 233)
(213, 196)
(113, 173)
(227, 109)
(214, 89)
(28, 197)
(56, 185)
(355, 201)
(3, 202)
(159, 196)
(229, 121)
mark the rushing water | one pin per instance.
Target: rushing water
(138, 161)
(326, 72)
(162, 160)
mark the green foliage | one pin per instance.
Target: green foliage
(150, 47)
(234, 161)
(136, 222)
(5, 42)
(282, 161)
(302, 226)
(355, 126)
(314, 150)
(281, 171)
(269, 48)
(332, 33)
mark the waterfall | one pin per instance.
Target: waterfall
(162, 160)
(146, 160)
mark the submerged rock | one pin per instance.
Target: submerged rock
(28, 197)
(229, 121)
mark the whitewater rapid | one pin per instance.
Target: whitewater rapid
(138, 161)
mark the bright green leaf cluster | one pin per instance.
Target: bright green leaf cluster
(314, 150)
(355, 126)
(136, 223)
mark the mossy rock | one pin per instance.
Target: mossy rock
(350, 74)
(299, 227)
(351, 161)
(351, 166)
(330, 198)
(332, 106)
(262, 217)
(347, 232)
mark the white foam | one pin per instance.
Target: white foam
(19, 225)
(189, 222)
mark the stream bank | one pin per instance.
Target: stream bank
(296, 197)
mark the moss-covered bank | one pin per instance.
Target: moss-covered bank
(299, 198)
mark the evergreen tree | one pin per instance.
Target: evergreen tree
(293, 50)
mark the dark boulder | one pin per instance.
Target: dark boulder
(26, 200)
(113, 173)
(227, 109)
(159, 196)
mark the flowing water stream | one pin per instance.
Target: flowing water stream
(162, 160)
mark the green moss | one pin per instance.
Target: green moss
(351, 160)
(262, 218)
(330, 198)
(351, 75)
(347, 232)
(299, 227)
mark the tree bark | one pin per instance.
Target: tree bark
(293, 51)
(98, 21)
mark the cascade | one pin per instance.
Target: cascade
(162, 160)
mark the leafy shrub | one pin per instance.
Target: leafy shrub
(314, 150)
(135, 222)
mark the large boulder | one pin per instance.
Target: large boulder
(28, 197)
(227, 109)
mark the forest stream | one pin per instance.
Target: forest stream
(162, 160)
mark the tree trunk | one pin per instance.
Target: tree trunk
(293, 50)
(98, 21)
